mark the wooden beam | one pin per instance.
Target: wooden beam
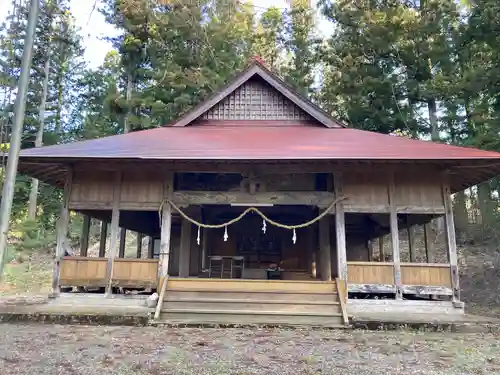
(103, 239)
(62, 233)
(84, 239)
(425, 290)
(320, 199)
(166, 229)
(260, 167)
(451, 241)
(338, 185)
(395, 237)
(371, 288)
(140, 236)
(185, 249)
(342, 293)
(123, 242)
(309, 198)
(115, 219)
(325, 249)
(161, 298)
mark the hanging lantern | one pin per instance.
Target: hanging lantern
(294, 237)
(263, 226)
(198, 237)
(225, 234)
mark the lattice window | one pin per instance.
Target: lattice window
(255, 100)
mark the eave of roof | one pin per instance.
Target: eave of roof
(232, 140)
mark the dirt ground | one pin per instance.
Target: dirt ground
(57, 349)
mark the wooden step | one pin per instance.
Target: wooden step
(246, 306)
(249, 318)
(276, 297)
(237, 300)
(240, 285)
(252, 312)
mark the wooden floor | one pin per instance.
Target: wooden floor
(240, 302)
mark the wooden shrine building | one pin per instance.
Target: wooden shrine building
(321, 196)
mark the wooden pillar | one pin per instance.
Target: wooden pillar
(151, 247)
(62, 233)
(411, 242)
(204, 245)
(395, 238)
(84, 239)
(325, 249)
(103, 238)
(369, 249)
(140, 236)
(381, 249)
(314, 270)
(185, 249)
(311, 251)
(451, 241)
(123, 242)
(340, 227)
(115, 221)
(429, 244)
(166, 230)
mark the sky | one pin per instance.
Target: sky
(94, 28)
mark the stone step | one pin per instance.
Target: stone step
(262, 296)
(246, 306)
(230, 317)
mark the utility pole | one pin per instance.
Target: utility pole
(17, 129)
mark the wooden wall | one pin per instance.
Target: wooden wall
(415, 191)
(366, 190)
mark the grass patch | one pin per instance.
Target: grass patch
(32, 274)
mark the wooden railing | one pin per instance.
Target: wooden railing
(370, 273)
(137, 273)
(82, 271)
(428, 274)
(91, 272)
(416, 278)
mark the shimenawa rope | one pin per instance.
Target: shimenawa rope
(248, 210)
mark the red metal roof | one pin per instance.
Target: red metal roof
(245, 140)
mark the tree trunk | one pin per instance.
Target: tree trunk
(32, 202)
(460, 210)
(432, 108)
(126, 122)
(485, 204)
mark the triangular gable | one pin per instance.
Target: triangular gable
(256, 100)
(281, 101)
